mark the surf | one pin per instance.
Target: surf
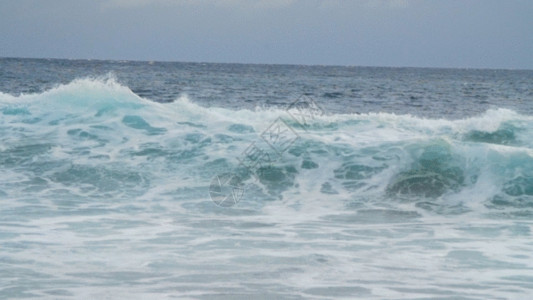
(95, 137)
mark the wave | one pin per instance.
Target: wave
(95, 137)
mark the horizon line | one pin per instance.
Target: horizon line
(268, 64)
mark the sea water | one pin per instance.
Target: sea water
(396, 183)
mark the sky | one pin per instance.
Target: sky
(415, 33)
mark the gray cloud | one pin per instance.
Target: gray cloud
(453, 33)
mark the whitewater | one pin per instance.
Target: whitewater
(105, 193)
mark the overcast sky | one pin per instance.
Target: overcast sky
(425, 33)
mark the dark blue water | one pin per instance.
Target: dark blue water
(226, 181)
(435, 93)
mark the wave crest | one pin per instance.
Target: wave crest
(79, 134)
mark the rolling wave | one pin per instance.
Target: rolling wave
(96, 138)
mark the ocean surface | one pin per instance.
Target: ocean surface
(159, 180)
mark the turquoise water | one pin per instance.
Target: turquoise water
(106, 194)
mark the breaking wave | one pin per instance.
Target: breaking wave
(95, 138)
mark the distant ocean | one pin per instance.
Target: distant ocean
(160, 180)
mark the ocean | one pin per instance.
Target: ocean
(162, 180)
